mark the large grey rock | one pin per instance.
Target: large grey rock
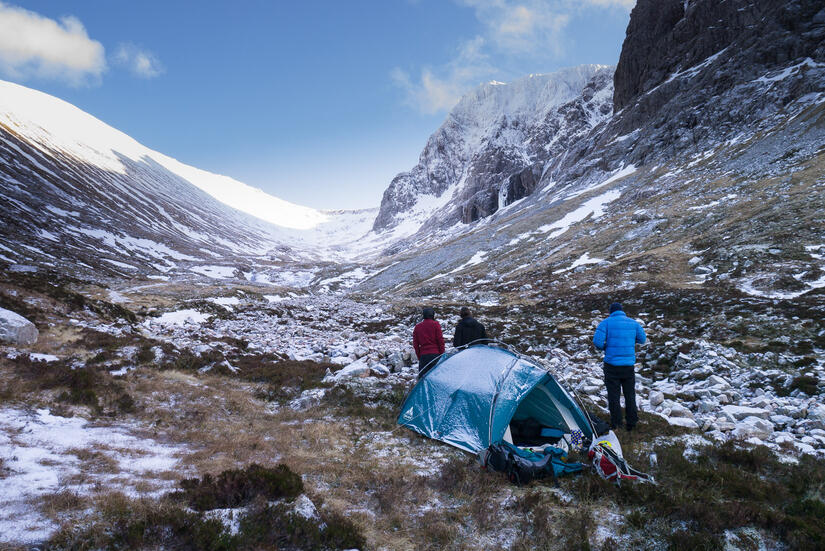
(17, 330)
(737, 413)
(718, 381)
(686, 422)
(678, 410)
(706, 406)
(359, 368)
(656, 398)
(817, 413)
(753, 427)
(396, 361)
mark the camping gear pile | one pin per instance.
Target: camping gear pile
(514, 414)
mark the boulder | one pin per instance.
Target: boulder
(683, 422)
(817, 413)
(781, 420)
(308, 399)
(656, 398)
(395, 361)
(355, 369)
(737, 413)
(762, 403)
(16, 330)
(716, 380)
(303, 507)
(678, 410)
(706, 406)
(591, 389)
(753, 427)
(379, 370)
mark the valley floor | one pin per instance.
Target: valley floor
(106, 422)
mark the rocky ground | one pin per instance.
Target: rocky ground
(231, 415)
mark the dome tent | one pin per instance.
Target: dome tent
(470, 398)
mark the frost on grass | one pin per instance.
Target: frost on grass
(42, 454)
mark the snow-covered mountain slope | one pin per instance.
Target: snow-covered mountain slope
(56, 126)
(709, 173)
(79, 193)
(472, 165)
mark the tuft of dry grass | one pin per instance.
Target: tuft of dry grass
(54, 504)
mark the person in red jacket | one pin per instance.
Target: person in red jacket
(428, 340)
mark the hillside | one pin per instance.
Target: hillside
(215, 368)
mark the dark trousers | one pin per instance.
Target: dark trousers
(618, 380)
(424, 360)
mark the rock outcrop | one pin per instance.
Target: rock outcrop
(668, 37)
(693, 74)
(16, 330)
(488, 152)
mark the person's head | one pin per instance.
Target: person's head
(616, 307)
(428, 313)
(465, 312)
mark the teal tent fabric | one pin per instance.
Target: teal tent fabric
(469, 398)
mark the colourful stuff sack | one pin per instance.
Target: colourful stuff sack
(608, 462)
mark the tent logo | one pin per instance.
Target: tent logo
(408, 415)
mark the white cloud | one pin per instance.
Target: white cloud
(438, 90)
(140, 62)
(522, 27)
(526, 29)
(35, 46)
(626, 4)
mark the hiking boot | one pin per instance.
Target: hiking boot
(630, 427)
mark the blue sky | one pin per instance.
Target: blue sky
(318, 102)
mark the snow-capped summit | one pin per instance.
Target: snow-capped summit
(528, 99)
(494, 132)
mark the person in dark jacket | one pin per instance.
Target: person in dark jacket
(468, 329)
(428, 340)
(617, 336)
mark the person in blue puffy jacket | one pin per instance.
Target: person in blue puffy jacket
(617, 336)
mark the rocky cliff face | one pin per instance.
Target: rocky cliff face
(705, 70)
(692, 75)
(708, 172)
(481, 158)
(668, 37)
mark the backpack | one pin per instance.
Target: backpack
(611, 466)
(522, 466)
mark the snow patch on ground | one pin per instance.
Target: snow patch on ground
(595, 207)
(180, 317)
(581, 261)
(225, 301)
(215, 272)
(36, 449)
